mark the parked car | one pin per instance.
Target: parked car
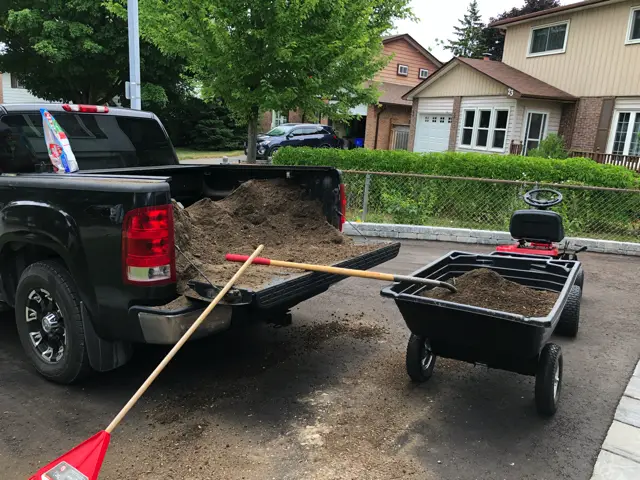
(296, 135)
(87, 259)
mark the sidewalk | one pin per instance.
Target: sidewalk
(619, 458)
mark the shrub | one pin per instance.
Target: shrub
(578, 171)
(550, 147)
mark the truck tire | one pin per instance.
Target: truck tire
(580, 278)
(548, 379)
(569, 322)
(420, 359)
(50, 324)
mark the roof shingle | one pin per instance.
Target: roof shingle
(521, 82)
(392, 93)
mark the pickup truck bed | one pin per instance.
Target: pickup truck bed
(88, 259)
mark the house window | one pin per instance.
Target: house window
(633, 32)
(482, 135)
(548, 39)
(467, 128)
(15, 83)
(500, 129)
(626, 139)
(423, 73)
(277, 119)
(485, 128)
(403, 70)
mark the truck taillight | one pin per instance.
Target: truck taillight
(343, 205)
(148, 251)
(67, 107)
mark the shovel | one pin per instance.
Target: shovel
(347, 272)
(83, 462)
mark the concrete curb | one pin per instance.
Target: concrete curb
(619, 458)
(478, 237)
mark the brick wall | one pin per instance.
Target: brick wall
(295, 116)
(567, 123)
(455, 121)
(414, 120)
(265, 121)
(370, 130)
(389, 116)
(585, 127)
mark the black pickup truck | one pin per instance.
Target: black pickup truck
(83, 285)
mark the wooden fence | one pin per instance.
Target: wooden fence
(632, 162)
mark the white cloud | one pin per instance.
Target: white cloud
(437, 19)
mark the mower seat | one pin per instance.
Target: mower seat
(544, 226)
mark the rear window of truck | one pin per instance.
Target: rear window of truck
(98, 141)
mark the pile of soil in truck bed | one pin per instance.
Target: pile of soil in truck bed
(487, 289)
(268, 212)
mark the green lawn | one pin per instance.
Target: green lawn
(190, 154)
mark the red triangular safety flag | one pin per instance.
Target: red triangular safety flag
(81, 463)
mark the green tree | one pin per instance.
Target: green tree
(494, 38)
(78, 51)
(276, 54)
(470, 40)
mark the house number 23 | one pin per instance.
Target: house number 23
(510, 92)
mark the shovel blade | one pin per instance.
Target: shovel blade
(82, 462)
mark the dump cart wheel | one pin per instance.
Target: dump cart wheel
(580, 278)
(570, 317)
(50, 324)
(549, 379)
(420, 359)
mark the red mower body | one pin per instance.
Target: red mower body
(544, 249)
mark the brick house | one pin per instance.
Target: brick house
(573, 70)
(385, 125)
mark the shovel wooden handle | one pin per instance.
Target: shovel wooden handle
(147, 383)
(347, 272)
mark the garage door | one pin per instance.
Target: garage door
(432, 132)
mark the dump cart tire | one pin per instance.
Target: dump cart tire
(549, 379)
(569, 322)
(49, 322)
(420, 359)
(580, 278)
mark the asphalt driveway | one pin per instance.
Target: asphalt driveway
(328, 398)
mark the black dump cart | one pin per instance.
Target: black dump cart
(493, 338)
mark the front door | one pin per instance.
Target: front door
(534, 132)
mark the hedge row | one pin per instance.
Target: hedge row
(577, 171)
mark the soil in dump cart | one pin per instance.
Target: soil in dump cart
(269, 212)
(487, 289)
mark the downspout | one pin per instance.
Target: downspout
(375, 140)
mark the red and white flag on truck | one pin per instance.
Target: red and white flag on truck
(60, 153)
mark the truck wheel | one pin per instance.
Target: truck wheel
(50, 324)
(549, 379)
(570, 317)
(580, 278)
(420, 359)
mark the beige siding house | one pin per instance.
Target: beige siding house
(11, 91)
(572, 70)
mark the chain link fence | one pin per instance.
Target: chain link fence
(589, 212)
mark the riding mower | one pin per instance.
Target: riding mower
(538, 230)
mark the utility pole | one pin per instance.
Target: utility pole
(134, 55)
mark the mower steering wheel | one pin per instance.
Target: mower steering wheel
(532, 198)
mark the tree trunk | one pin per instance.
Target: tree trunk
(252, 136)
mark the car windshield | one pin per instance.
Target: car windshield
(278, 131)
